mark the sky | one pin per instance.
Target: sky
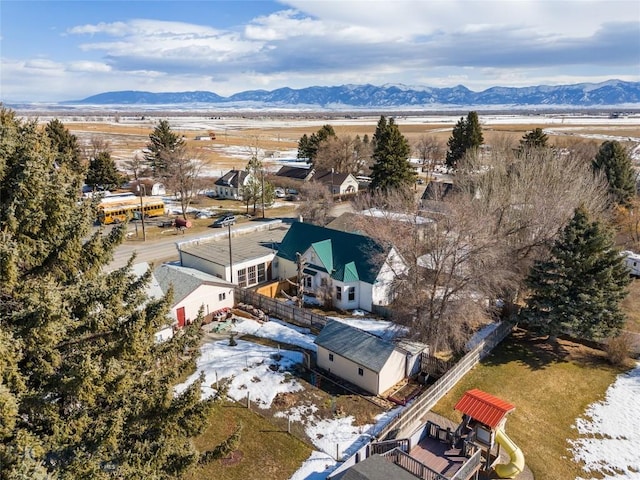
(68, 50)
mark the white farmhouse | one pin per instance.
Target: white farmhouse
(354, 270)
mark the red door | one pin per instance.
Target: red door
(181, 317)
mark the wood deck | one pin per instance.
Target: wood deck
(439, 456)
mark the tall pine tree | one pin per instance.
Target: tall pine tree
(85, 391)
(65, 145)
(466, 135)
(578, 290)
(164, 144)
(102, 172)
(391, 168)
(612, 160)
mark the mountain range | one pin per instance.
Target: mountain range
(605, 94)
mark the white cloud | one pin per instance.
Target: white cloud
(437, 43)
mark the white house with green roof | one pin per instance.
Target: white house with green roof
(354, 270)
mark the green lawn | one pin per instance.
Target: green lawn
(264, 450)
(550, 386)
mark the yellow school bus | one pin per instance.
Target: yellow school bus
(124, 209)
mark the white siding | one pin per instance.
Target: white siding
(381, 292)
(197, 263)
(207, 296)
(392, 372)
(350, 181)
(348, 370)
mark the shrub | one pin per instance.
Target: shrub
(619, 349)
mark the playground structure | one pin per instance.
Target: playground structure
(443, 450)
(483, 421)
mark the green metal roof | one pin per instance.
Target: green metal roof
(356, 345)
(350, 256)
(325, 253)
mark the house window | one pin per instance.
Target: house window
(222, 296)
(323, 282)
(352, 294)
(261, 273)
(242, 277)
(252, 275)
(331, 357)
(307, 282)
(360, 371)
(338, 293)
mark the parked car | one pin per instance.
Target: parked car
(279, 193)
(224, 221)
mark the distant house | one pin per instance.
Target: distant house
(192, 290)
(434, 194)
(363, 359)
(337, 183)
(353, 270)
(299, 174)
(231, 183)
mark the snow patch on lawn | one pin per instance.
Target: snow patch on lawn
(251, 369)
(278, 332)
(609, 431)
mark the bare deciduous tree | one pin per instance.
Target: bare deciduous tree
(430, 151)
(316, 204)
(344, 154)
(507, 211)
(184, 167)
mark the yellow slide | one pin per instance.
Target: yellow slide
(509, 470)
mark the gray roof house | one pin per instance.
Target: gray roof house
(192, 290)
(363, 359)
(231, 183)
(295, 173)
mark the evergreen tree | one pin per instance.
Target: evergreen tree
(65, 145)
(534, 139)
(308, 146)
(466, 135)
(164, 145)
(304, 148)
(578, 290)
(474, 131)
(103, 172)
(457, 144)
(391, 169)
(85, 391)
(612, 159)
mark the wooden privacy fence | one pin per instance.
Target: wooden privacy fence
(414, 412)
(281, 310)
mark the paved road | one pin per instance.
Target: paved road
(164, 249)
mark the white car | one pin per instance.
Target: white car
(279, 193)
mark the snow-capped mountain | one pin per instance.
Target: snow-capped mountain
(609, 93)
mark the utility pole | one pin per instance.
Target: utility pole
(262, 189)
(144, 189)
(230, 255)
